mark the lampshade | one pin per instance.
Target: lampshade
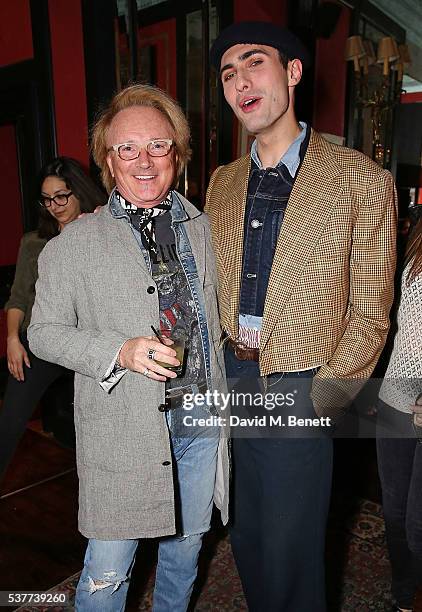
(369, 58)
(405, 54)
(402, 62)
(368, 45)
(354, 50)
(387, 52)
(396, 53)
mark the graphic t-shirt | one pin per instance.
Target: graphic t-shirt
(177, 306)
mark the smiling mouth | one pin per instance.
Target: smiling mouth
(249, 104)
(145, 177)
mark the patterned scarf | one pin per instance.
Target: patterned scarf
(142, 219)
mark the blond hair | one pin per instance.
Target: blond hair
(141, 95)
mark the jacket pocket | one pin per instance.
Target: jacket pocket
(109, 444)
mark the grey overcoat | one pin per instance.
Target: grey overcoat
(91, 296)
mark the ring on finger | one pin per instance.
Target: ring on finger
(146, 372)
(151, 353)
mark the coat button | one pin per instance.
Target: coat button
(166, 463)
(163, 407)
(150, 289)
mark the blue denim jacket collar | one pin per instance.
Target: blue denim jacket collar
(291, 158)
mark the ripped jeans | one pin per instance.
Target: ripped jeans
(104, 581)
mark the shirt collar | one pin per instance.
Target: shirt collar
(291, 158)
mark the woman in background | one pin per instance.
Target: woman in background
(399, 435)
(64, 192)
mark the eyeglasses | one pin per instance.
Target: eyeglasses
(60, 199)
(131, 150)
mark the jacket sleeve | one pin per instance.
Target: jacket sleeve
(372, 267)
(23, 283)
(56, 333)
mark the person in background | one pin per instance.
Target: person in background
(399, 434)
(64, 192)
(143, 260)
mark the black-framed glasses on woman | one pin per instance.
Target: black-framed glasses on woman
(131, 150)
(61, 199)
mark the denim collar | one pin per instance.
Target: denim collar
(291, 158)
(177, 211)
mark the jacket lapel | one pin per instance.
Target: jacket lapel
(314, 196)
(129, 243)
(231, 227)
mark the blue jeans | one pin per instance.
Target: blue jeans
(104, 581)
(279, 505)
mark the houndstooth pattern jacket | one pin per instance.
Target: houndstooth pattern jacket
(331, 283)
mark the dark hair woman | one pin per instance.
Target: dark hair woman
(399, 431)
(64, 192)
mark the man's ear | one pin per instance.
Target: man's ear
(294, 72)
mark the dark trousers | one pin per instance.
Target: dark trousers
(20, 400)
(281, 492)
(400, 470)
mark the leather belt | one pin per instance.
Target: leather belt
(243, 353)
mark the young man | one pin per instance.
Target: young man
(304, 234)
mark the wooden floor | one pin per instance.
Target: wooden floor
(39, 542)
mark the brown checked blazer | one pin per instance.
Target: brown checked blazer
(331, 284)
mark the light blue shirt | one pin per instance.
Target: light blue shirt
(291, 158)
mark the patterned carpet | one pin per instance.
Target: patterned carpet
(358, 574)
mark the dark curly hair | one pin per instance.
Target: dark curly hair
(83, 188)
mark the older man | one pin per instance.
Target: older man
(304, 234)
(145, 259)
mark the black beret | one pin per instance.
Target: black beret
(260, 33)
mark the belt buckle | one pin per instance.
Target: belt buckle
(172, 393)
(237, 352)
(180, 391)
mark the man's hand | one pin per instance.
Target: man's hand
(134, 356)
(16, 356)
(83, 214)
(417, 411)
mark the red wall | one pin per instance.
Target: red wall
(15, 32)
(261, 10)
(68, 65)
(11, 203)
(162, 36)
(11, 210)
(69, 78)
(330, 79)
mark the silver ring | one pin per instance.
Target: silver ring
(146, 372)
(151, 353)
